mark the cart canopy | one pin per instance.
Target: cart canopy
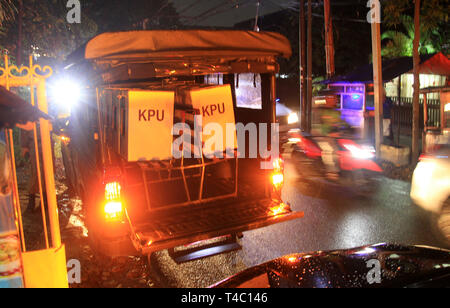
(179, 44)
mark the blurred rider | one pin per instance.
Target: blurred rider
(327, 126)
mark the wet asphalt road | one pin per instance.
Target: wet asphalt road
(334, 219)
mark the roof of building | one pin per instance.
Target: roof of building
(437, 64)
(14, 110)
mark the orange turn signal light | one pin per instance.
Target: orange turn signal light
(114, 207)
(112, 191)
(277, 179)
(113, 210)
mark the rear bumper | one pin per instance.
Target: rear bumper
(179, 227)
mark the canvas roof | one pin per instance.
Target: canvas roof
(176, 44)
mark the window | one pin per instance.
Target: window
(248, 90)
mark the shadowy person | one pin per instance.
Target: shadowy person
(388, 132)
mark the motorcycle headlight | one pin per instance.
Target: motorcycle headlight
(361, 152)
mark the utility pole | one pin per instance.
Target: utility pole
(329, 41)
(302, 66)
(416, 61)
(377, 81)
(309, 76)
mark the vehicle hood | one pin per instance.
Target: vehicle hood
(380, 265)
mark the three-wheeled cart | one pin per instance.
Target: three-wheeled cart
(171, 138)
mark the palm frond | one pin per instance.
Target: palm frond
(7, 11)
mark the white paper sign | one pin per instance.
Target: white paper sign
(219, 127)
(150, 121)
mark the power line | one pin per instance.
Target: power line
(190, 6)
(296, 9)
(213, 9)
(216, 10)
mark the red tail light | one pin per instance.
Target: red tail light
(424, 156)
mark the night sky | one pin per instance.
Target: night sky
(224, 13)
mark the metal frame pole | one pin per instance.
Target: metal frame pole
(48, 166)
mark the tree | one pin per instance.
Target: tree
(400, 42)
(45, 30)
(416, 57)
(7, 11)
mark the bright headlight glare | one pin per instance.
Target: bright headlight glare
(292, 118)
(424, 172)
(447, 107)
(360, 152)
(66, 92)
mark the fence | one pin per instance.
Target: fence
(402, 112)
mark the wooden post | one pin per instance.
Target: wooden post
(302, 65)
(441, 99)
(425, 111)
(425, 121)
(377, 85)
(416, 95)
(329, 41)
(309, 73)
(399, 98)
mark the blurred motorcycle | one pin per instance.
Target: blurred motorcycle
(335, 159)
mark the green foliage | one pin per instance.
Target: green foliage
(400, 43)
(317, 86)
(45, 30)
(7, 11)
(432, 14)
(433, 27)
